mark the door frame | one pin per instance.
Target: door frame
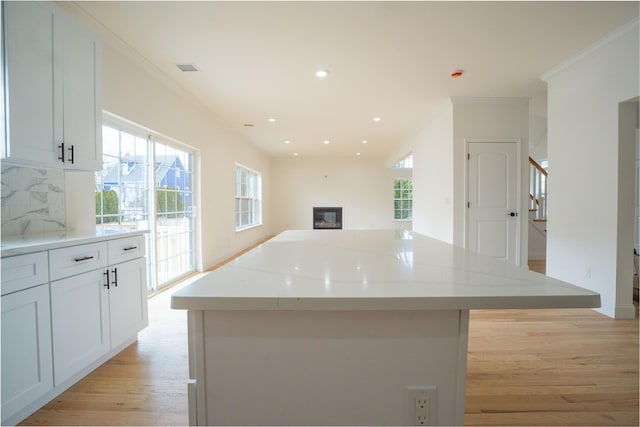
(519, 222)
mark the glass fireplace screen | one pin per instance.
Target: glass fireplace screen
(327, 218)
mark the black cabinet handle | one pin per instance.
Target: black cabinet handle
(61, 156)
(106, 273)
(130, 248)
(115, 277)
(84, 258)
(71, 157)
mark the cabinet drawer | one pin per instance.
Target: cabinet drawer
(74, 260)
(128, 248)
(24, 271)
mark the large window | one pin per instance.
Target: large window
(174, 207)
(248, 198)
(126, 197)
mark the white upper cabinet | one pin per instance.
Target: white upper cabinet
(52, 88)
(28, 88)
(81, 94)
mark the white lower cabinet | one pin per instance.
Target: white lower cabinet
(80, 322)
(65, 311)
(127, 300)
(27, 369)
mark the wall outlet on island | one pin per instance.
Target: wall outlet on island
(421, 405)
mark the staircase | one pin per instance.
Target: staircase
(537, 192)
(537, 210)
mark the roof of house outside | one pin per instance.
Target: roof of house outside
(136, 173)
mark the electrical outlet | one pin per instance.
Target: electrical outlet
(421, 406)
(422, 411)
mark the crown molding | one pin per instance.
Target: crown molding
(457, 100)
(630, 26)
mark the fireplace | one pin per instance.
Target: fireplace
(327, 218)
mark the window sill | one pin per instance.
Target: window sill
(402, 220)
(248, 227)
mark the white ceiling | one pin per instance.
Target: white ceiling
(257, 60)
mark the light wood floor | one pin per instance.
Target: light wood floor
(525, 367)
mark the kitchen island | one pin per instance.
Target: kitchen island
(347, 327)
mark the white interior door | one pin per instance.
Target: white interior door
(493, 217)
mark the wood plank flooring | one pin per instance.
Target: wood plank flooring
(551, 367)
(525, 367)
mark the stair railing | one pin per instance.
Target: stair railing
(537, 190)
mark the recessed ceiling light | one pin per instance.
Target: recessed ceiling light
(321, 74)
(271, 120)
(326, 142)
(364, 141)
(295, 154)
(377, 119)
(186, 67)
(287, 142)
(357, 154)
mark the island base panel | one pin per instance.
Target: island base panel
(325, 367)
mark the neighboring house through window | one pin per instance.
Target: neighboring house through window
(126, 197)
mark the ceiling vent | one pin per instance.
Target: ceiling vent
(186, 67)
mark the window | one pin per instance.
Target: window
(173, 214)
(248, 198)
(406, 163)
(126, 196)
(122, 187)
(402, 199)
(403, 189)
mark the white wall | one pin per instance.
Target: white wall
(627, 128)
(538, 127)
(586, 177)
(136, 94)
(439, 172)
(362, 186)
(486, 118)
(432, 148)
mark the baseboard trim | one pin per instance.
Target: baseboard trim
(625, 311)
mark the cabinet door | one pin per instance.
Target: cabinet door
(80, 322)
(28, 62)
(128, 300)
(27, 361)
(79, 52)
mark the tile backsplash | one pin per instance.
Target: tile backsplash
(32, 200)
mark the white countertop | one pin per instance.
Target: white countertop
(17, 245)
(372, 270)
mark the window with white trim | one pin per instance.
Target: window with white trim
(248, 198)
(402, 199)
(147, 183)
(403, 189)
